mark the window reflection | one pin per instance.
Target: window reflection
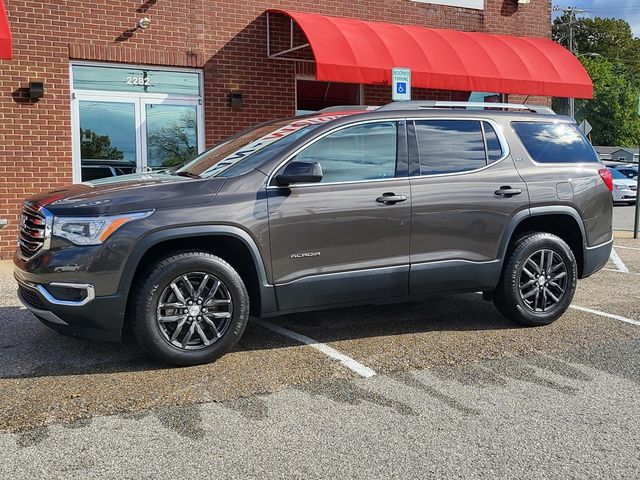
(107, 138)
(172, 136)
(127, 79)
(449, 146)
(555, 142)
(363, 152)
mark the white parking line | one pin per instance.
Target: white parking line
(626, 248)
(619, 271)
(607, 315)
(326, 349)
(617, 261)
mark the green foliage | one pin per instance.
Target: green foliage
(610, 53)
(97, 147)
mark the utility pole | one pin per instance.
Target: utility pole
(571, 11)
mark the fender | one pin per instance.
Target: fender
(538, 211)
(267, 294)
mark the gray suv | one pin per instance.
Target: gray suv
(343, 207)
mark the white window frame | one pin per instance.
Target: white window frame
(140, 101)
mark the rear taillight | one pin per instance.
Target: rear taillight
(605, 174)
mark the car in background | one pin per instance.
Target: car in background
(624, 188)
(629, 171)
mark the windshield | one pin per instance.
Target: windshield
(250, 148)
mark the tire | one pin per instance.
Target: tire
(521, 296)
(224, 304)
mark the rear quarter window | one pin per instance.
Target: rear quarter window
(555, 142)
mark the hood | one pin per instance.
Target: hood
(128, 193)
(626, 182)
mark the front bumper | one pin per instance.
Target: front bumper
(98, 318)
(594, 258)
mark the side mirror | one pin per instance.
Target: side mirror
(300, 172)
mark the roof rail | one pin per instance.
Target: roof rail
(420, 105)
(346, 108)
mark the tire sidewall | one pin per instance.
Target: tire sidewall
(145, 324)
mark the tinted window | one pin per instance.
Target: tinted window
(448, 146)
(616, 174)
(252, 147)
(555, 142)
(494, 149)
(362, 152)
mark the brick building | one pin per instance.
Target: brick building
(119, 97)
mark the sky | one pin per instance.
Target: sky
(626, 9)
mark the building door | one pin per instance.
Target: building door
(128, 120)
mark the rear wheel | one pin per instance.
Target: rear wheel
(538, 280)
(190, 309)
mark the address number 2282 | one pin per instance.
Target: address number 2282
(138, 81)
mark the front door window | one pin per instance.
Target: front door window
(128, 119)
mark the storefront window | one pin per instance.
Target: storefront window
(107, 139)
(171, 135)
(312, 96)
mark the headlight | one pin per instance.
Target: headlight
(621, 187)
(92, 230)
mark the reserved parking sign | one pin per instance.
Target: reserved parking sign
(401, 84)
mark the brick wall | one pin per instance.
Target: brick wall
(226, 39)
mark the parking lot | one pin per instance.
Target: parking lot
(445, 387)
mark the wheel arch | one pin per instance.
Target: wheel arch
(232, 244)
(560, 220)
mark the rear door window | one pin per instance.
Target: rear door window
(450, 146)
(494, 149)
(555, 142)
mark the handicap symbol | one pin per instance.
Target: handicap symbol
(401, 87)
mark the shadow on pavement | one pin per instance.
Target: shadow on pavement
(30, 349)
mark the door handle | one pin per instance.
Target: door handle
(507, 192)
(390, 198)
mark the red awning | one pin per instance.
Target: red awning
(350, 50)
(5, 33)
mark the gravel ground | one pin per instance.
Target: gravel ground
(460, 392)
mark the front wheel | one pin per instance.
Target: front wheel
(190, 309)
(538, 280)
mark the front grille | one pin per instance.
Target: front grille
(33, 230)
(633, 187)
(32, 298)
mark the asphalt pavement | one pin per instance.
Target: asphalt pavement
(456, 391)
(624, 217)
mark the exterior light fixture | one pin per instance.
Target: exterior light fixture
(36, 90)
(522, 2)
(144, 23)
(235, 99)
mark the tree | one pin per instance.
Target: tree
(610, 53)
(613, 110)
(97, 147)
